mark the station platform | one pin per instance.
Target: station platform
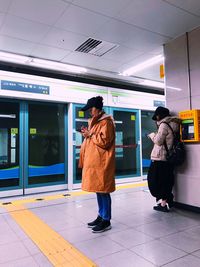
(51, 230)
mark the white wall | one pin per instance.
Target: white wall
(187, 189)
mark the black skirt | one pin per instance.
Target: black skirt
(161, 180)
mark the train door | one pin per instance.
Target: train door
(33, 147)
(46, 140)
(128, 154)
(80, 118)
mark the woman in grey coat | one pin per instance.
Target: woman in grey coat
(161, 172)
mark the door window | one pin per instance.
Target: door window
(127, 147)
(9, 145)
(148, 126)
(46, 144)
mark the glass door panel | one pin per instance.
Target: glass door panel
(127, 143)
(46, 148)
(9, 145)
(81, 119)
(148, 126)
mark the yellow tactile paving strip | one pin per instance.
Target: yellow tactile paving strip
(58, 251)
(71, 194)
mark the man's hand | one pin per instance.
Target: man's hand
(86, 133)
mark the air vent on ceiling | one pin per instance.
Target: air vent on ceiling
(96, 47)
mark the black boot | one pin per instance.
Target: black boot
(95, 222)
(102, 226)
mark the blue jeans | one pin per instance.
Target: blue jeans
(104, 203)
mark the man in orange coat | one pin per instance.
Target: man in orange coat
(97, 160)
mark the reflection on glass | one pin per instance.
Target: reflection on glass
(4, 146)
(46, 143)
(9, 144)
(81, 119)
(127, 161)
(148, 126)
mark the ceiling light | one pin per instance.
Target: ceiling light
(144, 65)
(14, 58)
(153, 84)
(42, 63)
(173, 88)
(47, 64)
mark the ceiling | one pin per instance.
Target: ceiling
(54, 29)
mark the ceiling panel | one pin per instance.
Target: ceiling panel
(116, 32)
(145, 40)
(23, 29)
(63, 39)
(4, 5)
(81, 59)
(157, 51)
(158, 16)
(15, 45)
(44, 11)
(136, 61)
(80, 20)
(152, 73)
(192, 6)
(133, 37)
(107, 7)
(53, 29)
(106, 64)
(122, 54)
(48, 52)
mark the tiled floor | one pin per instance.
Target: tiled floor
(140, 236)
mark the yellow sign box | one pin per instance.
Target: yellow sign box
(33, 130)
(133, 117)
(190, 127)
(14, 130)
(81, 114)
(162, 71)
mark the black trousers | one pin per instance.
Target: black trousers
(161, 180)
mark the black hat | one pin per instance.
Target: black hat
(161, 112)
(96, 102)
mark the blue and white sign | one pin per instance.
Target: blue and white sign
(25, 87)
(158, 103)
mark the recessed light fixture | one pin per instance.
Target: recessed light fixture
(152, 83)
(8, 57)
(143, 65)
(42, 63)
(47, 64)
(173, 88)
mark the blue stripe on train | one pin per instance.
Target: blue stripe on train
(13, 173)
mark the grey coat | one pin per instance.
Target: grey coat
(164, 133)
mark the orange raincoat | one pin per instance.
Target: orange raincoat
(97, 156)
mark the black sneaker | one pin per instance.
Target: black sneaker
(95, 222)
(171, 204)
(161, 208)
(102, 226)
